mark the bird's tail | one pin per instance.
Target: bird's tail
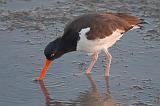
(141, 23)
(132, 20)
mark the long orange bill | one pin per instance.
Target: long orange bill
(45, 69)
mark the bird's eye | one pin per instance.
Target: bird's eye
(52, 55)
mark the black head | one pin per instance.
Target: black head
(52, 50)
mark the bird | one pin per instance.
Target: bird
(91, 33)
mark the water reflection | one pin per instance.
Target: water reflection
(92, 97)
(49, 101)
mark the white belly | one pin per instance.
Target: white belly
(97, 45)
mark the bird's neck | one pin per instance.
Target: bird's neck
(69, 41)
(66, 46)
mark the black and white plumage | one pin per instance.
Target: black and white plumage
(92, 33)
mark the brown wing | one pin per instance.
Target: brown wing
(102, 25)
(132, 20)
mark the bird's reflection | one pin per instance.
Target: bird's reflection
(49, 101)
(91, 97)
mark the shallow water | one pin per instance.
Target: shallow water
(26, 26)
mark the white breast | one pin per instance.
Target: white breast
(97, 45)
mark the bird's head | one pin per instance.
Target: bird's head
(57, 48)
(52, 51)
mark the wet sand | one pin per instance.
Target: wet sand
(26, 26)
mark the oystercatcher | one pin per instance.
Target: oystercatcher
(91, 33)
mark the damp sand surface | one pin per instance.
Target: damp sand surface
(26, 26)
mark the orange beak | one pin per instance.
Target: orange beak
(45, 69)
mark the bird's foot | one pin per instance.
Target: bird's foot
(107, 74)
(107, 70)
(106, 77)
(88, 71)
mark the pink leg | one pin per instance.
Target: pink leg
(94, 59)
(109, 56)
